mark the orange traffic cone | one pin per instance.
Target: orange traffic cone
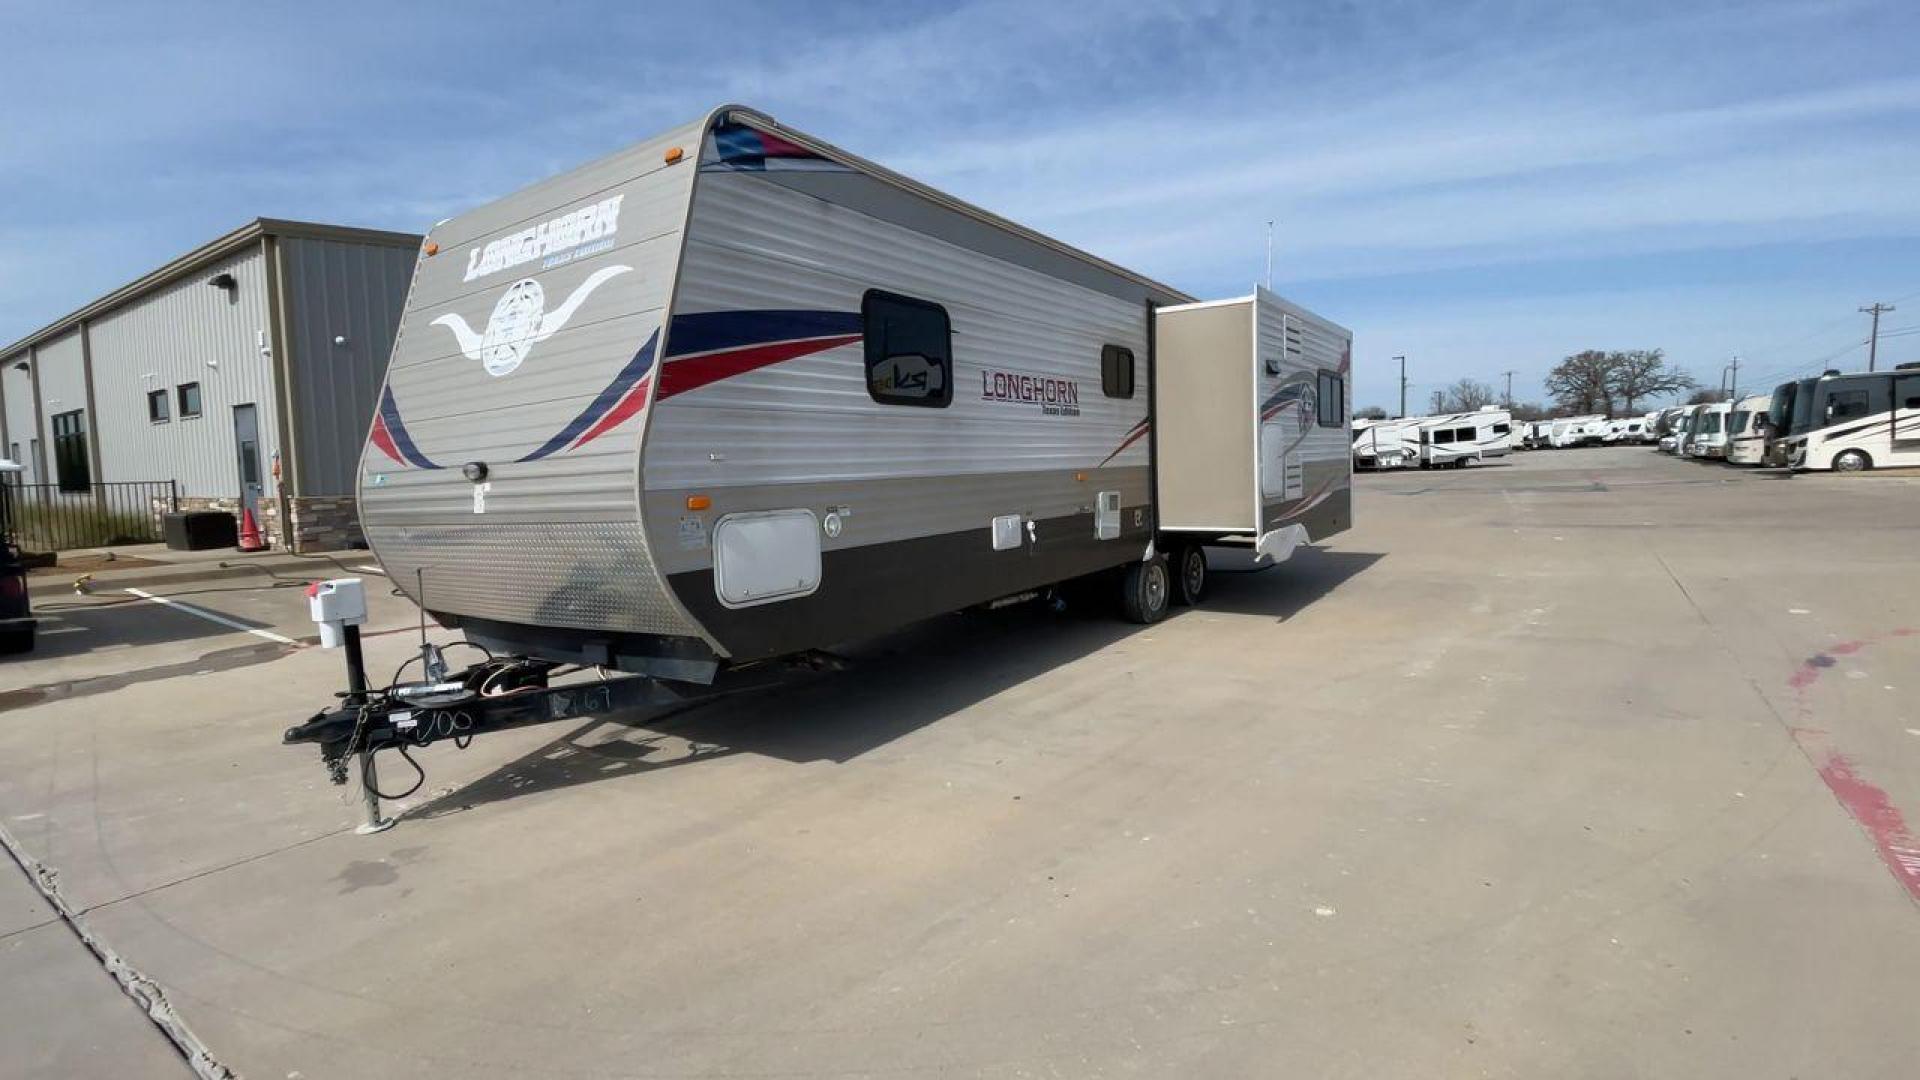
(250, 538)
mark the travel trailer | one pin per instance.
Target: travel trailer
(1858, 421)
(1708, 433)
(1747, 430)
(1630, 430)
(1388, 444)
(1464, 438)
(1577, 431)
(734, 394)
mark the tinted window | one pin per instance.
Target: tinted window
(1116, 371)
(1501, 429)
(1443, 435)
(157, 406)
(1333, 400)
(189, 399)
(1906, 392)
(1846, 404)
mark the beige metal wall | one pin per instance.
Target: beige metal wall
(1203, 416)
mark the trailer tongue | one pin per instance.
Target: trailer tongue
(494, 694)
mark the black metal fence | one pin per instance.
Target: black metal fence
(44, 517)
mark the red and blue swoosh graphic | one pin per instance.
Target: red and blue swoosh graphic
(705, 348)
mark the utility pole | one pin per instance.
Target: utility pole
(1509, 398)
(1873, 341)
(1403, 387)
(1730, 378)
(1269, 254)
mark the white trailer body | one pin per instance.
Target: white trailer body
(1465, 438)
(1746, 430)
(1388, 444)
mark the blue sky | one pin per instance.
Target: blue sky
(1480, 186)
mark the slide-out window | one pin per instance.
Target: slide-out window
(909, 349)
(1116, 371)
(1333, 400)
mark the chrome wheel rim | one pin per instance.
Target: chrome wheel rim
(1156, 586)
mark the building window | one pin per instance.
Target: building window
(909, 348)
(1116, 370)
(1333, 400)
(189, 400)
(157, 407)
(70, 451)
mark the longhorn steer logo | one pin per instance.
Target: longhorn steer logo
(520, 321)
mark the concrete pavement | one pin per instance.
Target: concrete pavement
(1592, 764)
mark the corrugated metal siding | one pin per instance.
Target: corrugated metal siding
(170, 338)
(338, 289)
(18, 388)
(63, 389)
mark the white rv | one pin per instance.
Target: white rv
(1577, 431)
(1388, 444)
(734, 393)
(1747, 430)
(1464, 438)
(1680, 427)
(1859, 421)
(1707, 436)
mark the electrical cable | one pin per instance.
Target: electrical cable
(420, 775)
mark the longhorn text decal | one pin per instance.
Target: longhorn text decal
(554, 241)
(1054, 395)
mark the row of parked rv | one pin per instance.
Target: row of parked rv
(1846, 423)
(1454, 439)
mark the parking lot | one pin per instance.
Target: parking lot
(1587, 763)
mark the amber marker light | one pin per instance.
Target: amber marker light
(432, 248)
(674, 154)
(1080, 476)
(698, 502)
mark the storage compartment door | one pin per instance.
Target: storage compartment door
(763, 557)
(1280, 471)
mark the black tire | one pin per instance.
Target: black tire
(16, 641)
(1852, 461)
(1145, 591)
(1189, 574)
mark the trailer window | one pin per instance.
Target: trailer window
(1333, 400)
(1116, 370)
(1443, 435)
(1502, 429)
(909, 349)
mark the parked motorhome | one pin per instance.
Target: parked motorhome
(734, 393)
(1680, 428)
(1783, 413)
(1858, 421)
(1388, 444)
(1708, 433)
(1464, 438)
(1747, 430)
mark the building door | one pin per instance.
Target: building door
(246, 441)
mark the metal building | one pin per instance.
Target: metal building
(244, 372)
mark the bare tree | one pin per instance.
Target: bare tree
(1371, 412)
(1645, 373)
(1466, 396)
(1583, 382)
(1525, 411)
(1707, 397)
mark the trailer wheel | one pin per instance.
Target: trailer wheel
(1145, 591)
(1852, 461)
(1190, 574)
(16, 641)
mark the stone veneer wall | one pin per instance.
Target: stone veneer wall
(320, 523)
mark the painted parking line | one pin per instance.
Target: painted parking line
(214, 617)
(370, 570)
